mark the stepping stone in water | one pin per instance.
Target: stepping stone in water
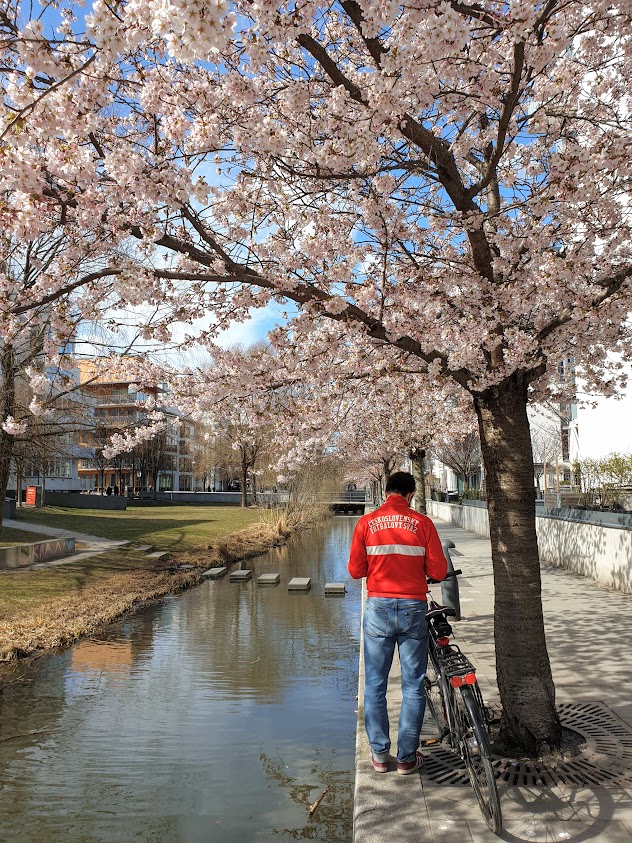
(240, 576)
(299, 584)
(215, 573)
(335, 588)
(269, 579)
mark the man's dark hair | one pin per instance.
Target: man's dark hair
(400, 483)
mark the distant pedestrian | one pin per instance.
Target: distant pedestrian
(396, 548)
(108, 491)
(116, 490)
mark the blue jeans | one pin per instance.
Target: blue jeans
(389, 621)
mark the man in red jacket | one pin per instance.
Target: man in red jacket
(396, 548)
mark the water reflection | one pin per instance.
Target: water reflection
(220, 714)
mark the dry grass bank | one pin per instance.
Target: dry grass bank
(51, 607)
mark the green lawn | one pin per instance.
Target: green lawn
(9, 537)
(174, 528)
(28, 589)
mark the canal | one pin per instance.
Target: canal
(220, 714)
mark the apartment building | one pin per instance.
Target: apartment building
(161, 464)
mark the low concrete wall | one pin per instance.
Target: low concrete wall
(21, 555)
(195, 498)
(602, 551)
(77, 501)
(472, 518)
(599, 551)
(233, 498)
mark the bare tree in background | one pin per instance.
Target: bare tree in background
(546, 442)
(462, 454)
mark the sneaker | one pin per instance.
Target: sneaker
(378, 766)
(405, 768)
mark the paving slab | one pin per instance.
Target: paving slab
(581, 616)
(215, 573)
(299, 584)
(269, 579)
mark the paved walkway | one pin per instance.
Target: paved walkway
(91, 545)
(589, 636)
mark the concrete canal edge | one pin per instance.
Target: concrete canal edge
(385, 806)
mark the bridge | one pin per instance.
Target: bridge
(351, 502)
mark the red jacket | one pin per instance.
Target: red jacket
(396, 548)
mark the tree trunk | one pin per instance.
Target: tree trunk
(417, 462)
(7, 408)
(18, 482)
(6, 446)
(244, 481)
(522, 661)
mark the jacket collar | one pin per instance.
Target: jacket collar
(397, 501)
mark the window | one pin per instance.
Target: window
(164, 483)
(59, 468)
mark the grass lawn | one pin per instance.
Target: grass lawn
(36, 587)
(41, 608)
(176, 528)
(54, 606)
(9, 537)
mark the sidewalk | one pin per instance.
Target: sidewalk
(91, 545)
(589, 637)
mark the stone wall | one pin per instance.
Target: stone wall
(602, 551)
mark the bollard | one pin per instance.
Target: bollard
(450, 588)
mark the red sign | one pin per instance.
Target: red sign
(31, 495)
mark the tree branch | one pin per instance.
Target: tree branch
(611, 286)
(68, 288)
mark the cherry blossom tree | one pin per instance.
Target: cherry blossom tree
(38, 400)
(387, 423)
(444, 184)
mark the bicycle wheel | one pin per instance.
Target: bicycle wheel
(475, 751)
(434, 697)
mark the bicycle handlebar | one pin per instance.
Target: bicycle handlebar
(447, 576)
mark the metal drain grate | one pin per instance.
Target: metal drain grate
(605, 760)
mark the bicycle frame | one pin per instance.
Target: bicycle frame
(459, 711)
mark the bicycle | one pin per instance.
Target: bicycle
(456, 704)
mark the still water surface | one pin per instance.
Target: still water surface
(217, 715)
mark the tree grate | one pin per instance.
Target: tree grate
(606, 758)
